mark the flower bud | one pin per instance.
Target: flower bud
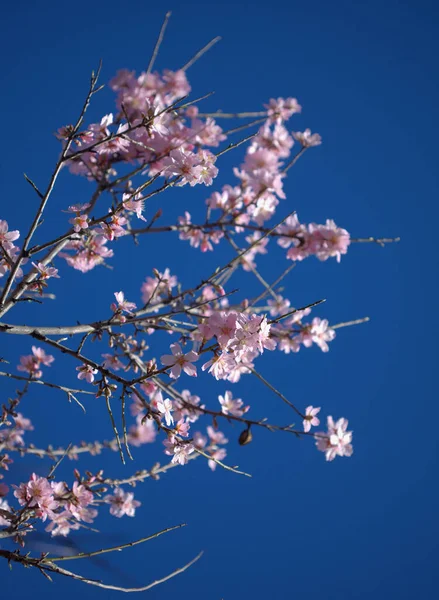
(245, 437)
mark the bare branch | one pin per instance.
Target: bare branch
(158, 43)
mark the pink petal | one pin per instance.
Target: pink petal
(190, 369)
(168, 360)
(175, 371)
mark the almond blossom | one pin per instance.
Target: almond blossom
(337, 441)
(31, 363)
(179, 361)
(180, 451)
(45, 272)
(232, 407)
(165, 408)
(86, 372)
(307, 139)
(122, 304)
(310, 419)
(122, 503)
(143, 432)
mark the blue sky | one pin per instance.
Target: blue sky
(366, 76)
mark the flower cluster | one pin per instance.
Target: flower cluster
(211, 445)
(122, 503)
(31, 363)
(337, 441)
(241, 338)
(89, 251)
(66, 508)
(196, 236)
(323, 241)
(11, 435)
(158, 288)
(292, 333)
(155, 132)
(180, 450)
(8, 250)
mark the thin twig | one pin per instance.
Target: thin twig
(158, 43)
(115, 548)
(200, 53)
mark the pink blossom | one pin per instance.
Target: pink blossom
(176, 83)
(134, 204)
(223, 326)
(310, 419)
(255, 248)
(143, 432)
(31, 363)
(34, 492)
(112, 362)
(156, 287)
(199, 439)
(165, 407)
(42, 357)
(81, 497)
(178, 361)
(216, 437)
(232, 407)
(186, 407)
(28, 364)
(182, 428)
(319, 332)
(122, 503)
(279, 306)
(183, 164)
(79, 222)
(337, 441)
(282, 109)
(4, 506)
(86, 372)
(307, 139)
(122, 304)
(78, 208)
(207, 170)
(220, 365)
(179, 451)
(90, 252)
(329, 240)
(218, 454)
(6, 236)
(62, 524)
(206, 133)
(45, 272)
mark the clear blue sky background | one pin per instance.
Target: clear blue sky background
(366, 75)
